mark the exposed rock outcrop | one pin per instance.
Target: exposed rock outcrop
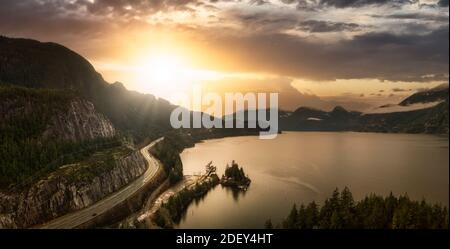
(58, 194)
(53, 114)
(80, 122)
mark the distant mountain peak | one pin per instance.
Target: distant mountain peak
(436, 94)
(306, 108)
(119, 85)
(339, 109)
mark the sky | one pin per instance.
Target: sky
(319, 53)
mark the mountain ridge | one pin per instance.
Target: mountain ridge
(30, 63)
(439, 93)
(426, 120)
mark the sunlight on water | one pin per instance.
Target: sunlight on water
(301, 167)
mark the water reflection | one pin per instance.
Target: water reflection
(196, 202)
(234, 192)
(304, 167)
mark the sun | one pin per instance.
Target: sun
(163, 69)
(163, 73)
(168, 74)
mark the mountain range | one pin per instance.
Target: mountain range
(431, 118)
(29, 63)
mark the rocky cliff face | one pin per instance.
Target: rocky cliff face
(54, 114)
(58, 194)
(80, 122)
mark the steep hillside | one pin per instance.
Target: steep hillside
(72, 187)
(57, 155)
(56, 114)
(432, 120)
(35, 64)
(31, 63)
(140, 115)
(42, 129)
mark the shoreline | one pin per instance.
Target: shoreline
(145, 217)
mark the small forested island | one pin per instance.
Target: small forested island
(340, 211)
(235, 177)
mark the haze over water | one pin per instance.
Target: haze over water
(304, 166)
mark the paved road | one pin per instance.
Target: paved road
(80, 217)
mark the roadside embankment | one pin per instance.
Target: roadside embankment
(165, 210)
(120, 203)
(69, 189)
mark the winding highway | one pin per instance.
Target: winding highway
(77, 218)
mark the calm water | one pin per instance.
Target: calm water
(305, 166)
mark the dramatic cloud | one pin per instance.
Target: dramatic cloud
(416, 16)
(372, 55)
(359, 3)
(326, 26)
(311, 39)
(321, 4)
